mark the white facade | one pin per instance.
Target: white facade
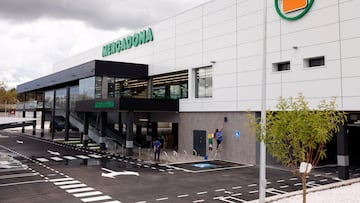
(229, 32)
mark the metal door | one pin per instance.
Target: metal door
(200, 142)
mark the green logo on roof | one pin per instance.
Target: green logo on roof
(128, 42)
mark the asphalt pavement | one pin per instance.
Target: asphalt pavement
(58, 172)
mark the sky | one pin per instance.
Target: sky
(35, 34)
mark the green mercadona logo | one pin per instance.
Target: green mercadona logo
(293, 9)
(128, 42)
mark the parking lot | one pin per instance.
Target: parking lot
(63, 173)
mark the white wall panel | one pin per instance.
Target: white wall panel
(163, 45)
(228, 53)
(249, 7)
(188, 38)
(191, 26)
(273, 44)
(224, 67)
(249, 78)
(351, 87)
(311, 36)
(220, 106)
(250, 49)
(193, 61)
(351, 103)
(249, 93)
(189, 49)
(249, 20)
(348, 28)
(220, 42)
(253, 105)
(222, 81)
(217, 30)
(220, 16)
(273, 92)
(350, 48)
(250, 34)
(317, 89)
(164, 55)
(250, 63)
(349, 10)
(215, 6)
(162, 67)
(273, 29)
(189, 15)
(164, 34)
(350, 67)
(224, 94)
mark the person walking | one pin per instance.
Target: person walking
(219, 137)
(156, 146)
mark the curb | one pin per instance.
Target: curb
(317, 189)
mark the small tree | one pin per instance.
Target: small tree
(296, 134)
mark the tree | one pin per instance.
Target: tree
(296, 134)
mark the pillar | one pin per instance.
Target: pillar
(34, 123)
(86, 129)
(67, 113)
(343, 153)
(23, 115)
(103, 130)
(129, 133)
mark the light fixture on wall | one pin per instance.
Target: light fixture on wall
(212, 62)
(295, 47)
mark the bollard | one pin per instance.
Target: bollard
(139, 154)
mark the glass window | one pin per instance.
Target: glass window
(111, 87)
(203, 84)
(74, 95)
(60, 98)
(87, 88)
(282, 66)
(49, 99)
(315, 62)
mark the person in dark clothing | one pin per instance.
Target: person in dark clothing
(156, 146)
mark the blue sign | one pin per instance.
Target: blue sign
(237, 134)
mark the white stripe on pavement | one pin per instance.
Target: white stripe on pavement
(61, 179)
(18, 175)
(55, 158)
(42, 159)
(115, 201)
(69, 157)
(85, 189)
(72, 186)
(93, 199)
(86, 194)
(82, 157)
(94, 156)
(67, 182)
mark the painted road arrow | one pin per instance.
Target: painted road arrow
(54, 153)
(112, 174)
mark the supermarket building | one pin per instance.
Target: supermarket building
(182, 78)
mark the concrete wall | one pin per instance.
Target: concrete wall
(241, 150)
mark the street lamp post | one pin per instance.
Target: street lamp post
(262, 171)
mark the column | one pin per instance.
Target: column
(23, 115)
(86, 129)
(129, 133)
(67, 113)
(34, 123)
(103, 130)
(42, 123)
(343, 153)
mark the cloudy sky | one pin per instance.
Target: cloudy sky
(35, 34)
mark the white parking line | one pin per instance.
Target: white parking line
(55, 158)
(82, 157)
(236, 187)
(61, 179)
(200, 200)
(22, 183)
(94, 199)
(116, 201)
(67, 182)
(85, 189)
(162, 199)
(42, 159)
(201, 193)
(18, 175)
(182, 196)
(72, 186)
(69, 157)
(86, 194)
